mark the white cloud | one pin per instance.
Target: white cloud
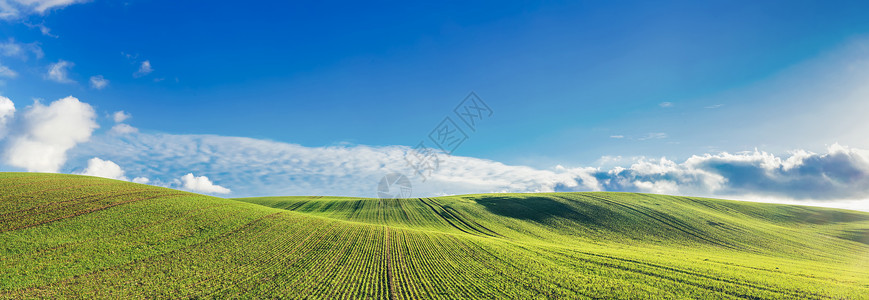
(666, 104)
(123, 129)
(841, 173)
(59, 71)
(104, 168)
(99, 82)
(659, 176)
(7, 111)
(120, 116)
(653, 136)
(11, 48)
(14, 9)
(42, 29)
(144, 69)
(141, 180)
(617, 136)
(131, 57)
(45, 133)
(202, 184)
(7, 72)
(259, 168)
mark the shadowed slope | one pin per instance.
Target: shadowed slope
(74, 236)
(599, 216)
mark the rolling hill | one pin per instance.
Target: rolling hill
(68, 236)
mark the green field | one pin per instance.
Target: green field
(68, 236)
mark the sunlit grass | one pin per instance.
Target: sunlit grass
(75, 236)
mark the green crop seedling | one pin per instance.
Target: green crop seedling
(77, 236)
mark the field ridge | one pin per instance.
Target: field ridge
(70, 236)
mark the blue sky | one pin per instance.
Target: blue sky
(572, 84)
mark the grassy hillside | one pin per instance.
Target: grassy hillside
(75, 236)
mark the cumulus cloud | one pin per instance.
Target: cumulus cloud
(202, 184)
(14, 9)
(59, 71)
(104, 168)
(7, 111)
(660, 176)
(841, 173)
(144, 69)
(41, 138)
(99, 82)
(141, 180)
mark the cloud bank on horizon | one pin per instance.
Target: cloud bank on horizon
(59, 137)
(259, 167)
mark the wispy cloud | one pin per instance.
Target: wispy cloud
(144, 69)
(59, 71)
(123, 129)
(42, 29)
(666, 104)
(714, 106)
(258, 167)
(43, 136)
(129, 56)
(13, 48)
(653, 136)
(99, 82)
(618, 136)
(7, 72)
(15, 9)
